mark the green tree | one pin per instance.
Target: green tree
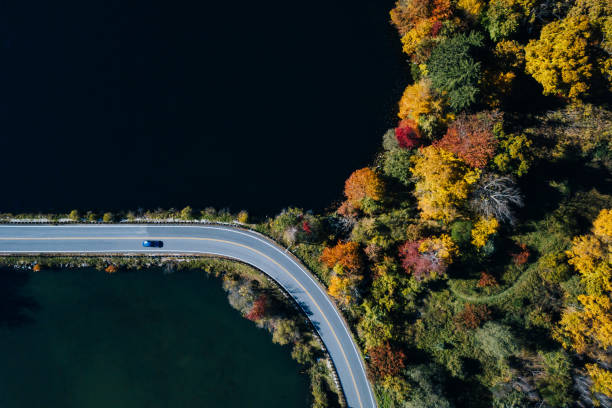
(496, 341)
(396, 164)
(555, 387)
(454, 71)
(285, 332)
(501, 19)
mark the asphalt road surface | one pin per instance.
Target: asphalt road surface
(248, 247)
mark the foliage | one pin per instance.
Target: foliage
(560, 59)
(285, 332)
(386, 361)
(427, 258)
(602, 379)
(602, 226)
(407, 134)
(420, 104)
(589, 329)
(454, 71)
(258, 311)
(443, 183)
(556, 385)
(461, 232)
(345, 254)
(361, 185)
(513, 154)
(187, 213)
(396, 163)
(483, 229)
(473, 316)
(497, 341)
(428, 388)
(111, 268)
(591, 258)
(486, 280)
(471, 138)
(502, 20)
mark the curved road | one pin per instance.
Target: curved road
(245, 246)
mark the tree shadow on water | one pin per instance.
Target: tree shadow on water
(16, 308)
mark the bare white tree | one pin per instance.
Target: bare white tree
(494, 196)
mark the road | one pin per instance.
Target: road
(246, 246)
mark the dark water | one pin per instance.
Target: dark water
(126, 104)
(82, 338)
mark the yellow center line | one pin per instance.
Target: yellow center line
(213, 240)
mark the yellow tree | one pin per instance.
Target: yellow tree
(602, 226)
(591, 258)
(588, 329)
(602, 379)
(560, 59)
(418, 101)
(443, 183)
(483, 229)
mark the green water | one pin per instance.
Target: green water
(86, 339)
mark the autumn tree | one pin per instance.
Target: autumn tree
(471, 138)
(385, 361)
(472, 316)
(427, 258)
(486, 280)
(407, 134)
(494, 197)
(419, 23)
(514, 154)
(345, 254)
(588, 329)
(483, 229)
(591, 257)
(111, 269)
(258, 310)
(454, 71)
(419, 104)
(362, 185)
(108, 217)
(560, 60)
(602, 379)
(187, 213)
(443, 183)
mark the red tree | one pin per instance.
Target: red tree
(486, 280)
(471, 138)
(385, 361)
(418, 264)
(521, 257)
(407, 134)
(473, 316)
(306, 227)
(258, 311)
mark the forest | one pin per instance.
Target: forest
(473, 257)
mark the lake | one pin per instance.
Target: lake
(83, 338)
(115, 105)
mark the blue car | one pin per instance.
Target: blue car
(152, 244)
